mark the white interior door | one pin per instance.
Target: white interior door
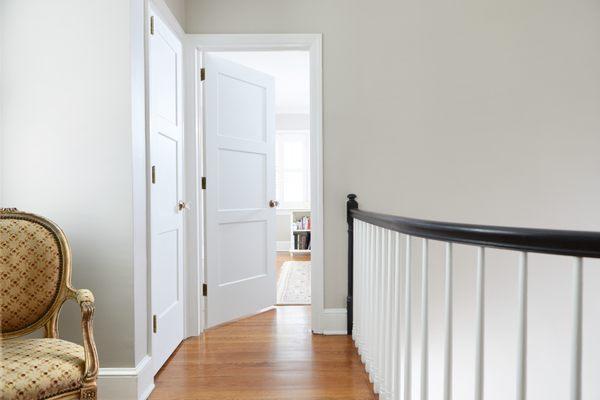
(240, 223)
(166, 140)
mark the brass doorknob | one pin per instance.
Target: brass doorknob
(182, 205)
(273, 203)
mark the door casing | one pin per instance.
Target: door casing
(194, 48)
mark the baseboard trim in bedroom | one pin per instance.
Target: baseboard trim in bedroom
(333, 321)
(126, 383)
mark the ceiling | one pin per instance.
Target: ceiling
(290, 70)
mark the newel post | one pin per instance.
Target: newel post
(351, 204)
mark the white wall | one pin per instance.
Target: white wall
(483, 112)
(72, 124)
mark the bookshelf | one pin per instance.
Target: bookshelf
(300, 223)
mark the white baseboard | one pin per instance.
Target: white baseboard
(283, 245)
(126, 383)
(333, 321)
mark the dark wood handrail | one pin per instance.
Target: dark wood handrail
(548, 241)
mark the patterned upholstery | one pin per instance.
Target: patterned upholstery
(39, 368)
(30, 272)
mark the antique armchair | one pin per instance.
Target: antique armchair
(35, 280)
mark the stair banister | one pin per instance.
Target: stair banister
(376, 320)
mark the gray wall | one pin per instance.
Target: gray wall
(480, 112)
(71, 133)
(177, 8)
(483, 112)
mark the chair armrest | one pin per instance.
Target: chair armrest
(84, 295)
(85, 299)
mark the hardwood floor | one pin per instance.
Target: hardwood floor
(269, 356)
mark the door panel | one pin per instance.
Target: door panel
(165, 158)
(166, 220)
(166, 250)
(164, 59)
(241, 109)
(243, 180)
(251, 243)
(240, 169)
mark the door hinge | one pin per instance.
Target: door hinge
(203, 182)
(152, 25)
(204, 289)
(154, 324)
(154, 174)
(202, 74)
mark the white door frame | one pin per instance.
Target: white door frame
(194, 47)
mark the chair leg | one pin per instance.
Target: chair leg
(89, 392)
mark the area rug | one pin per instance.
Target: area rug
(294, 283)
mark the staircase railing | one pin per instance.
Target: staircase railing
(380, 292)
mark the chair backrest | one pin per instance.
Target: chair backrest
(35, 272)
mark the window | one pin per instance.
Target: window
(292, 169)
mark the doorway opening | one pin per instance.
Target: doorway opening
(261, 153)
(291, 73)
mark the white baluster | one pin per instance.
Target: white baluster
(363, 251)
(359, 299)
(363, 289)
(382, 313)
(365, 323)
(425, 321)
(377, 312)
(577, 329)
(355, 277)
(479, 324)
(407, 321)
(448, 325)
(397, 349)
(384, 306)
(373, 292)
(522, 329)
(360, 295)
(388, 317)
(371, 308)
(379, 326)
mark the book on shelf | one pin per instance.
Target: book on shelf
(302, 241)
(303, 224)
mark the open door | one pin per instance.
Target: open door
(239, 117)
(166, 207)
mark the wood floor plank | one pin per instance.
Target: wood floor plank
(270, 356)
